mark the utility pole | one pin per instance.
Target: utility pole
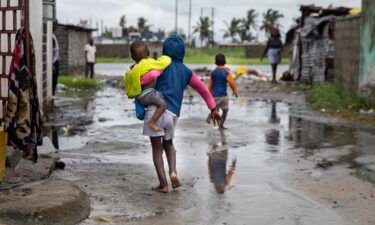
(213, 22)
(176, 17)
(189, 28)
(102, 28)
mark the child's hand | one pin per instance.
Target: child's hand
(216, 118)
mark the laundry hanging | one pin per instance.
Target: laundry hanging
(23, 118)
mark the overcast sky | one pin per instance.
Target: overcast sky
(161, 13)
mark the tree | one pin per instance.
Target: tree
(233, 29)
(270, 20)
(122, 22)
(250, 21)
(203, 29)
(142, 25)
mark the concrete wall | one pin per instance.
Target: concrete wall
(36, 29)
(76, 48)
(49, 32)
(256, 51)
(347, 54)
(367, 68)
(113, 50)
(63, 40)
(72, 49)
(122, 50)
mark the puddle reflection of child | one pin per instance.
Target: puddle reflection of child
(217, 166)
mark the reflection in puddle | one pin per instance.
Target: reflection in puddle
(342, 145)
(272, 136)
(273, 117)
(52, 133)
(217, 165)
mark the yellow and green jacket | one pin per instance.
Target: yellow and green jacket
(132, 78)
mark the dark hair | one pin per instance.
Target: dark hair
(275, 32)
(220, 59)
(139, 50)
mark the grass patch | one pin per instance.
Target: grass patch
(114, 60)
(333, 97)
(207, 56)
(78, 82)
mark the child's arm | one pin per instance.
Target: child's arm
(230, 173)
(150, 77)
(199, 87)
(232, 84)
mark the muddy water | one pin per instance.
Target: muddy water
(230, 177)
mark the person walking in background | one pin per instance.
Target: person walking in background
(55, 60)
(90, 51)
(218, 84)
(273, 51)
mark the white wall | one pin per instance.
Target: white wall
(49, 60)
(36, 29)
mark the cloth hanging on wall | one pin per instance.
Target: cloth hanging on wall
(23, 118)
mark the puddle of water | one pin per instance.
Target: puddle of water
(272, 128)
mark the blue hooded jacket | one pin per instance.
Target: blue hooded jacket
(176, 76)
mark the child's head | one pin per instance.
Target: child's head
(220, 60)
(139, 51)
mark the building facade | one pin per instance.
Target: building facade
(72, 40)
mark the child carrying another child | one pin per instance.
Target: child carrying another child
(140, 80)
(218, 83)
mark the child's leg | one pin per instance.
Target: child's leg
(157, 114)
(224, 117)
(157, 155)
(154, 98)
(171, 157)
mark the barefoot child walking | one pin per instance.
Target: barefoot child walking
(140, 80)
(218, 83)
(172, 83)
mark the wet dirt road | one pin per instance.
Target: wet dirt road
(273, 165)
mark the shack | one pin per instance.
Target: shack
(313, 44)
(72, 40)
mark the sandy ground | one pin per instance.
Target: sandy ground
(293, 166)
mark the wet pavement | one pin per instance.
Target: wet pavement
(237, 176)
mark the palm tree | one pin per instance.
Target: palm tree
(122, 22)
(142, 25)
(250, 21)
(271, 19)
(203, 29)
(232, 29)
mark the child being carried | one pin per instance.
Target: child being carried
(140, 80)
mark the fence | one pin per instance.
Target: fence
(347, 55)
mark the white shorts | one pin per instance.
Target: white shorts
(167, 121)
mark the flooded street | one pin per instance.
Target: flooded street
(273, 165)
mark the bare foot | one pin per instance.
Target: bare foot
(160, 189)
(175, 181)
(154, 126)
(222, 128)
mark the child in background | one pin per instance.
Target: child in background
(140, 80)
(218, 83)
